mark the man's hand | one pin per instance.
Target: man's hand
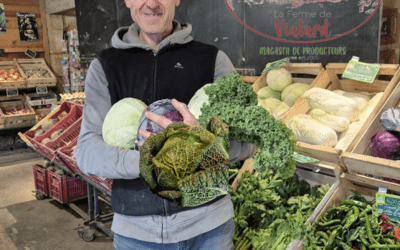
(188, 118)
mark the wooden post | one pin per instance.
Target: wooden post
(44, 28)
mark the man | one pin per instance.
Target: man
(153, 59)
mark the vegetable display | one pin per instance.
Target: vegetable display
(37, 73)
(10, 75)
(187, 165)
(271, 212)
(235, 103)
(355, 224)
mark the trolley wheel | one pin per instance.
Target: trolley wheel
(40, 196)
(88, 235)
(80, 234)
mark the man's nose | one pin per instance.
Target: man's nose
(152, 4)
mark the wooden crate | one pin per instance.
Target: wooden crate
(310, 177)
(7, 65)
(41, 99)
(29, 64)
(2, 120)
(332, 155)
(15, 121)
(360, 158)
(366, 186)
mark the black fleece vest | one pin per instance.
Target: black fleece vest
(177, 71)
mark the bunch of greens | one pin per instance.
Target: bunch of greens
(270, 212)
(187, 165)
(235, 103)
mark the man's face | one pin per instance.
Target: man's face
(153, 16)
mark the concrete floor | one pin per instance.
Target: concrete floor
(30, 224)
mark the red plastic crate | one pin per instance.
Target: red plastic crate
(39, 177)
(65, 154)
(64, 188)
(70, 133)
(102, 182)
(65, 106)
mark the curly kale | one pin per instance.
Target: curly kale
(235, 103)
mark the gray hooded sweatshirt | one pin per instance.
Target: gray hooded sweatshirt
(96, 158)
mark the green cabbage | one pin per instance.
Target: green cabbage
(121, 123)
(267, 92)
(293, 92)
(187, 165)
(269, 104)
(279, 79)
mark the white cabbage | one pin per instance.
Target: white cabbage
(360, 99)
(337, 123)
(197, 101)
(370, 107)
(348, 136)
(332, 103)
(308, 130)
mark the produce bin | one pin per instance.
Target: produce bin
(335, 70)
(74, 112)
(41, 99)
(71, 132)
(6, 66)
(65, 154)
(40, 179)
(64, 188)
(7, 104)
(366, 186)
(360, 158)
(312, 178)
(38, 65)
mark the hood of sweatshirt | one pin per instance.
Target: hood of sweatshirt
(128, 37)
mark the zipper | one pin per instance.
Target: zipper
(155, 78)
(165, 206)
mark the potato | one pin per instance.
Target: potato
(39, 132)
(60, 172)
(46, 140)
(48, 124)
(56, 134)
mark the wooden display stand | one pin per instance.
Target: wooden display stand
(333, 155)
(360, 159)
(365, 186)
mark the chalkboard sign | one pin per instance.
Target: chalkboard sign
(30, 53)
(254, 33)
(11, 92)
(389, 204)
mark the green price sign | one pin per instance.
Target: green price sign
(388, 204)
(301, 158)
(274, 65)
(359, 71)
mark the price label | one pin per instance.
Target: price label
(388, 204)
(11, 92)
(30, 53)
(41, 90)
(275, 65)
(359, 71)
(302, 158)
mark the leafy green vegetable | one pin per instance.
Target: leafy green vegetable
(235, 103)
(274, 211)
(187, 165)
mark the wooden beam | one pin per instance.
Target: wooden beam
(45, 36)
